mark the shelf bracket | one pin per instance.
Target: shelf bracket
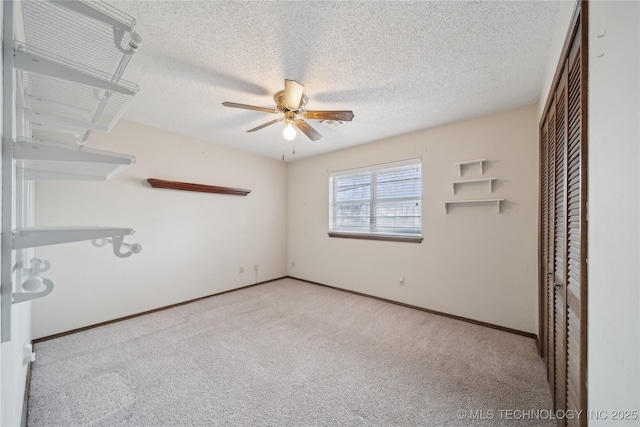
(134, 41)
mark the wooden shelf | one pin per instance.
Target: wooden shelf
(187, 186)
(489, 180)
(475, 201)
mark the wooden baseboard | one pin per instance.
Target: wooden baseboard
(120, 319)
(438, 313)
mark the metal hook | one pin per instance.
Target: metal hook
(118, 243)
(34, 282)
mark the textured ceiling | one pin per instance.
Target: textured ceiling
(400, 66)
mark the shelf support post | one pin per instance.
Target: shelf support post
(8, 119)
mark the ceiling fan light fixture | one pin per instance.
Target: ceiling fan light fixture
(289, 132)
(290, 102)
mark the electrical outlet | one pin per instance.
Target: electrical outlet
(241, 270)
(293, 264)
(402, 281)
(255, 267)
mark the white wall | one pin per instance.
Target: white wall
(193, 243)
(614, 208)
(563, 20)
(473, 262)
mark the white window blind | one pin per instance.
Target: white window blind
(378, 200)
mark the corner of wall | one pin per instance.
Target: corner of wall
(454, 269)
(563, 21)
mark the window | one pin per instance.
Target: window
(382, 202)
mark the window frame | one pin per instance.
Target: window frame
(373, 201)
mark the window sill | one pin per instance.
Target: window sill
(387, 238)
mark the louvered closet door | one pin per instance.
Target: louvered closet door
(563, 221)
(544, 235)
(576, 249)
(548, 246)
(560, 233)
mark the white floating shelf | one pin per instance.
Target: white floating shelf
(466, 181)
(33, 237)
(45, 160)
(476, 201)
(471, 162)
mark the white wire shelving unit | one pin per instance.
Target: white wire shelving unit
(62, 79)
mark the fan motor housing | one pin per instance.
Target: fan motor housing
(279, 99)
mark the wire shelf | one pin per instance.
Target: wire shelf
(75, 100)
(46, 160)
(64, 32)
(71, 57)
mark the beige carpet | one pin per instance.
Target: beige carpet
(288, 353)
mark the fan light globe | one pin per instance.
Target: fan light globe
(289, 132)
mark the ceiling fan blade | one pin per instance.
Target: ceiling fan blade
(308, 130)
(292, 94)
(266, 124)
(249, 107)
(345, 116)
